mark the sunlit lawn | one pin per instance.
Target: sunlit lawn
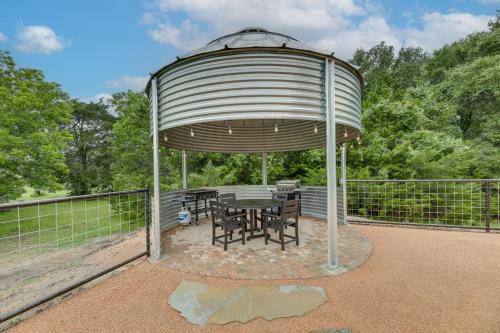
(64, 224)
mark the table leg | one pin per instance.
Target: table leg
(196, 210)
(206, 210)
(252, 221)
(300, 204)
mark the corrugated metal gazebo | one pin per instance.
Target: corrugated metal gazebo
(255, 91)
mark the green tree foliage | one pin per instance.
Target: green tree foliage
(430, 116)
(474, 46)
(132, 164)
(88, 155)
(33, 113)
(473, 91)
(131, 147)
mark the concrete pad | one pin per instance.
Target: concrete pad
(202, 304)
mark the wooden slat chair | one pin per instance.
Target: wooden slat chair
(228, 224)
(280, 197)
(288, 216)
(226, 198)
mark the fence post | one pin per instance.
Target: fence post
(487, 212)
(148, 220)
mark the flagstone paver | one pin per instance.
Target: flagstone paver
(203, 304)
(189, 249)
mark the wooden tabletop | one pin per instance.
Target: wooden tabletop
(253, 203)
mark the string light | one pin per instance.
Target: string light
(165, 138)
(192, 132)
(229, 130)
(276, 127)
(358, 139)
(345, 133)
(315, 128)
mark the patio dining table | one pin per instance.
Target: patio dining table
(252, 205)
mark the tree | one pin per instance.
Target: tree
(473, 90)
(33, 113)
(132, 156)
(88, 155)
(474, 46)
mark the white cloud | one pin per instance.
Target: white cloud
(368, 33)
(341, 26)
(3, 38)
(186, 37)
(134, 83)
(104, 97)
(149, 18)
(439, 29)
(39, 39)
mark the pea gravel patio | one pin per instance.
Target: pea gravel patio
(415, 280)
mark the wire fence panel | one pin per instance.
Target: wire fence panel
(49, 246)
(460, 203)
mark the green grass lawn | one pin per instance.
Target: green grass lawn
(65, 224)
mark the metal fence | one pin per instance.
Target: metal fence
(49, 247)
(461, 203)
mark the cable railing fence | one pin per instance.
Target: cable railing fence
(459, 203)
(48, 247)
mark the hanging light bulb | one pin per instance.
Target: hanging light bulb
(192, 132)
(229, 130)
(345, 133)
(165, 138)
(276, 127)
(315, 128)
(358, 139)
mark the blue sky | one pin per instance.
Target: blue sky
(94, 48)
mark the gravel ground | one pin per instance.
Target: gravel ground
(416, 280)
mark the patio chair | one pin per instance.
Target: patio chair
(226, 198)
(288, 216)
(229, 223)
(280, 197)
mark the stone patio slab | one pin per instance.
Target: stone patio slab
(189, 249)
(203, 304)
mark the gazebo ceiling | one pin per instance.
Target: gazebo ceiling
(250, 83)
(255, 135)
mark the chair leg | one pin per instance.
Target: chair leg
(282, 237)
(296, 233)
(243, 224)
(213, 234)
(266, 234)
(225, 239)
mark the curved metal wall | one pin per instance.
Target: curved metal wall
(347, 97)
(313, 201)
(206, 93)
(246, 85)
